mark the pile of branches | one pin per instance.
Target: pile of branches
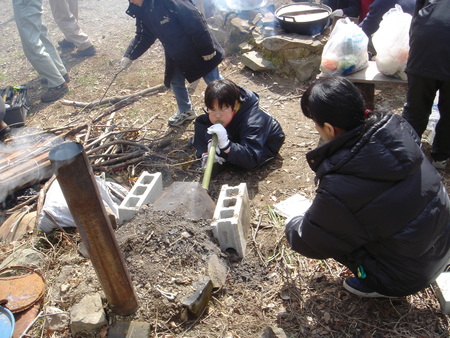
(110, 146)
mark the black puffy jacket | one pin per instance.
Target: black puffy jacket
(430, 40)
(380, 205)
(255, 136)
(182, 30)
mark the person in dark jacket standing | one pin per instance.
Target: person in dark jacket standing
(191, 51)
(247, 135)
(428, 71)
(378, 8)
(381, 208)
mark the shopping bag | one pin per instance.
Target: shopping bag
(346, 49)
(391, 42)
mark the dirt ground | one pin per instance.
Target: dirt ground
(271, 286)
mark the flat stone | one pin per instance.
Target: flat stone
(134, 329)
(217, 272)
(273, 332)
(57, 319)
(198, 301)
(88, 314)
(256, 62)
(245, 47)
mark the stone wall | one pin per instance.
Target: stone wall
(262, 45)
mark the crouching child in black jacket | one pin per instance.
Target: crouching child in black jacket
(381, 208)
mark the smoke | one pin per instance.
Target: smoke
(24, 159)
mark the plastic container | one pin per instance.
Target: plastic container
(16, 105)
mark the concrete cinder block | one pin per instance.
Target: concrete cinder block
(146, 190)
(231, 219)
(442, 289)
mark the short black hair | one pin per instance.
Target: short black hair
(335, 100)
(226, 93)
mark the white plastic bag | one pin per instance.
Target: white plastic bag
(346, 50)
(391, 41)
(55, 204)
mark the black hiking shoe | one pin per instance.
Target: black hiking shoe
(54, 93)
(90, 51)
(64, 44)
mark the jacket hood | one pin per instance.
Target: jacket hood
(381, 152)
(247, 99)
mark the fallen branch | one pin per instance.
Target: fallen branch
(112, 100)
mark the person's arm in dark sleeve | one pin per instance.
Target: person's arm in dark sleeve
(295, 240)
(142, 41)
(377, 9)
(353, 8)
(327, 230)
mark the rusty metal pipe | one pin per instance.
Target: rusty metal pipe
(76, 178)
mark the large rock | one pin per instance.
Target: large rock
(88, 314)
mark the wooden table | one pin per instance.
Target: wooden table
(366, 79)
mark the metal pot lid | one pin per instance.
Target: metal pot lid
(245, 5)
(303, 12)
(7, 322)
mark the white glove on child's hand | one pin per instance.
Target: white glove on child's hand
(217, 159)
(337, 12)
(209, 57)
(125, 63)
(222, 135)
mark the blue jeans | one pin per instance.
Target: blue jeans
(178, 86)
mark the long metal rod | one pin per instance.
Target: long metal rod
(77, 182)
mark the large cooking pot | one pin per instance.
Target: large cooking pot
(303, 18)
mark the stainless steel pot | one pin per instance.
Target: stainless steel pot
(303, 18)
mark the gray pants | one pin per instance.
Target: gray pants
(65, 13)
(36, 43)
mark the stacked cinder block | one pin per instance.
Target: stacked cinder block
(231, 219)
(442, 288)
(146, 190)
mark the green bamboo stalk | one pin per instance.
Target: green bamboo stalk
(210, 162)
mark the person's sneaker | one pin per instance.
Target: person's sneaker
(355, 286)
(179, 118)
(54, 93)
(440, 165)
(90, 51)
(64, 44)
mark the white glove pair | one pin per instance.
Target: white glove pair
(125, 63)
(209, 57)
(222, 135)
(337, 12)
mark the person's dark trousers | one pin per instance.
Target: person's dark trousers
(418, 107)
